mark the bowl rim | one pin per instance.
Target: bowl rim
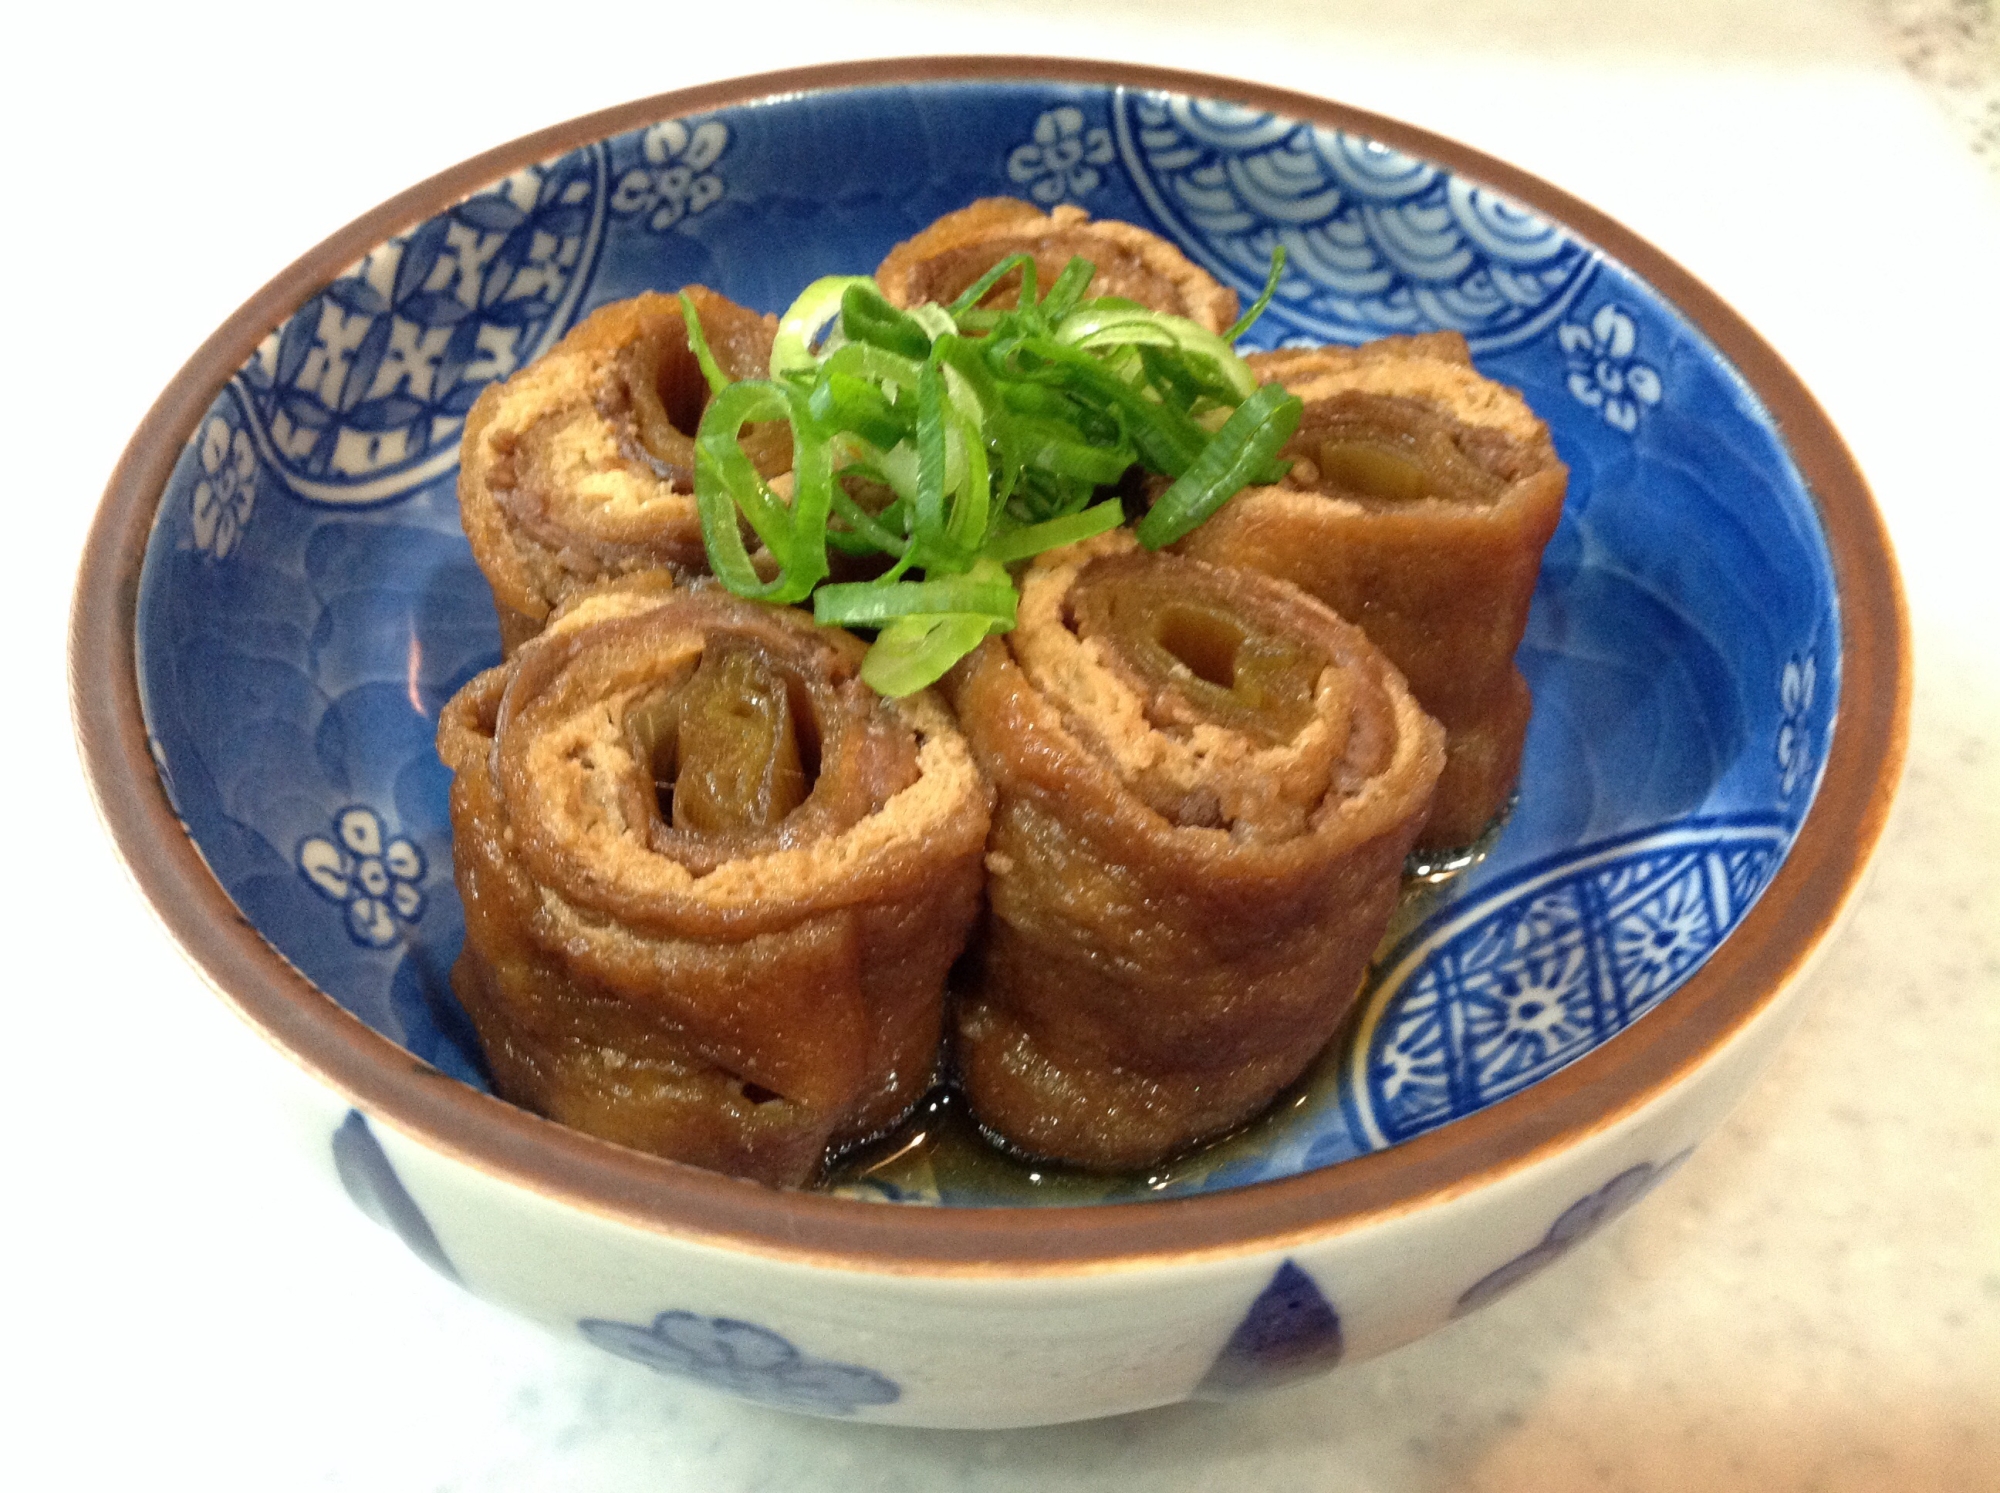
(1741, 980)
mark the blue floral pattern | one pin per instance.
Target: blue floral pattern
(1577, 1222)
(227, 490)
(1062, 160)
(376, 879)
(674, 178)
(741, 1358)
(1602, 370)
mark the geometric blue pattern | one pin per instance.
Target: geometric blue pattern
(360, 396)
(1290, 1331)
(1544, 966)
(371, 1182)
(1377, 242)
(743, 1359)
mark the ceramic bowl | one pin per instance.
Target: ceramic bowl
(277, 599)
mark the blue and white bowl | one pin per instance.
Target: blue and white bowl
(277, 599)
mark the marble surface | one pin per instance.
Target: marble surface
(1812, 1302)
(1952, 47)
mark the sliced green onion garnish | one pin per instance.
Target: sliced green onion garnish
(1054, 446)
(974, 293)
(1022, 544)
(1242, 450)
(1090, 328)
(1249, 318)
(868, 531)
(997, 434)
(805, 319)
(866, 317)
(726, 484)
(698, 341)
(840, 401)
(1069, 288)
(933, 461)
(870, 603)
(871, 363)
(913, 653)
(934, 319)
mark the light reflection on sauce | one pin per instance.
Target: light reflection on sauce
(413, 670)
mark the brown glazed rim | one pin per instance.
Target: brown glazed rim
(1743, 977)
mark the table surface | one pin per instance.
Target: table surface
(1812, 1302)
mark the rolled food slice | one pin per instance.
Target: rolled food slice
(947, 257)
(1207, 785)
(712, 882)
(581, 466)
(1420, 499)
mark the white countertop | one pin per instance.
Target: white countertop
(1812, 1302)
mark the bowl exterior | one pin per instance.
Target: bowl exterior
(989, 1345)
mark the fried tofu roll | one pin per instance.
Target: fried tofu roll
(1207, 785)
(1419, 502)
(581, 466)
(947, 257)
(712, 881)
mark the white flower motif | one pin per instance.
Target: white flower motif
(1063, 159)
(1536, 1015)
(676, 181)
(1666, 935)
(1524, 1015)
(1602, 371)
(1795, 696)
(224, 497)
(377, 881)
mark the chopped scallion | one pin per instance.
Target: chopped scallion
(995, 433)
(1242, 451)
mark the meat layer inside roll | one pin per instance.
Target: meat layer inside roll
(947, 257)
(712, 882)
(1419, 502)
(581, 466)
(1207, 783)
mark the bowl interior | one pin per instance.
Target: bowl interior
(308, 602)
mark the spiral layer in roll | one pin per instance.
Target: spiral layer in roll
(1419, 502)
(581, 466)
(712, 882)
(1207, 783)
(947, 257)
